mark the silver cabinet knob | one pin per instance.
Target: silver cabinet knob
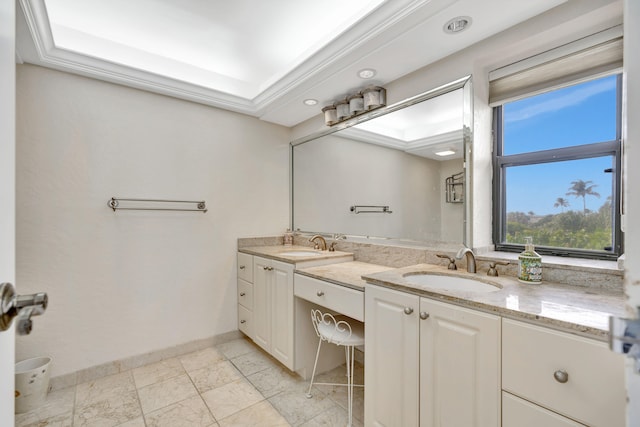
(242, 294)
(561, 376)
(320, 293)
(242, 267)
(270, 268)
(408, 310)
(424, 315)
(265, 268)
(243, 321)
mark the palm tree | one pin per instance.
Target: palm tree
(561, 203)
(580, 188)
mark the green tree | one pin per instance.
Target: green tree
(580, 188)
(561, 203)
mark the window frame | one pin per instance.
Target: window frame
(578, 152)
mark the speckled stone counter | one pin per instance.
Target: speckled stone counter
(279, 253)
(347, 274)
(563, 307)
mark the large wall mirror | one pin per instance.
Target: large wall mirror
(397, 173)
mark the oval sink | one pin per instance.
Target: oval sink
(449, 283)
(300, 253)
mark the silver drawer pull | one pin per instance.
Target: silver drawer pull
(424, 315)
(561, 376)
(243, 321)
(242, 294)
(408, 310)
(242, 267)
(320, 293)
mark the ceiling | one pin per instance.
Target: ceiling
(261, 58)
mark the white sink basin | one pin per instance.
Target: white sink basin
(449, 283)
(300, 253)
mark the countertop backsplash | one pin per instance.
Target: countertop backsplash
(595, 275)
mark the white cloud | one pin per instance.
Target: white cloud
(569, 99)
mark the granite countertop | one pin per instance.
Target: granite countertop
(347, 274)
(278, 253)
(564, 307)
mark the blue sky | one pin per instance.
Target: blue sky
(571, 116)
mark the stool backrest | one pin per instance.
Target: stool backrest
(329, 328)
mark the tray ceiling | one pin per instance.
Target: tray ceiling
(261, 58)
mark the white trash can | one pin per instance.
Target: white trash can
(32, 383)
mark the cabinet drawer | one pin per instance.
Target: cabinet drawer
(245, 321)
(341, 299)
(518, 412)
(594, 392)
(245, 267)
(245, 294)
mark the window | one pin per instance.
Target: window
(557, 170)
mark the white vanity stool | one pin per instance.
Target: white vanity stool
(341, 331)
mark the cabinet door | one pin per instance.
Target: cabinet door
(518, 412)
(261, 303)
(459, 366)
(281, 277)
(391, 357)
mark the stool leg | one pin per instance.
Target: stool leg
(315, 364)
(350, 383)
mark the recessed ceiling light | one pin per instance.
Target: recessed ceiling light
(366, 73)
(457, 24)
(444, 153)
(310, 101)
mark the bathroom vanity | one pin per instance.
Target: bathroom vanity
(515, 355)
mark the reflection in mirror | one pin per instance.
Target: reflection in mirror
(397, 176)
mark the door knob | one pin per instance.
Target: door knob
(20, 306)
(408, 310)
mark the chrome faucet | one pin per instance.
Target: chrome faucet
(471, 259)
(321, 244)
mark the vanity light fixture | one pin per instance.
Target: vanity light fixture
(457, 24)
(368, 99)
(444, 153)
(310, 101)
(367, 73)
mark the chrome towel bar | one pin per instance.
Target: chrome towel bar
(147, 205)
(370, 209)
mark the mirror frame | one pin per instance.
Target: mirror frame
(464, 83)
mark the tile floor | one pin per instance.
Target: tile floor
(233, 384)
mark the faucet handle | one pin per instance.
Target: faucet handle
(452, 262)
(492, 267)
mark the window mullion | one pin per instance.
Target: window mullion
(560, 154)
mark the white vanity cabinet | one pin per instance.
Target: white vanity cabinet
(546, 373)
(245, 294)
(436, 364)
(273, 327)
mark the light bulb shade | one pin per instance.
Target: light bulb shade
(330, 115)
(374, 97)
(356, 103)
(342, 110)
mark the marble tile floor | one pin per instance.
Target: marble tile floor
(232, 384)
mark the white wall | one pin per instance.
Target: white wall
(7, 198)
(631, 195)
(126, 283)
(570, 21)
